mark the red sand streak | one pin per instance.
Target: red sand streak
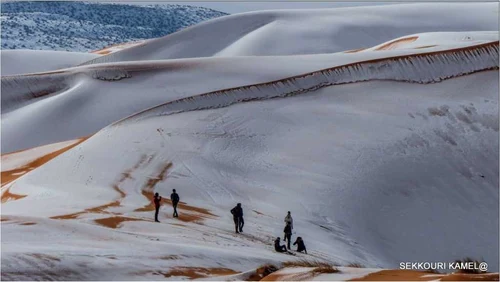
(115, 221)
(28, 223)
(196, 272)
(397, 43)
(187, 213)
(11, 175)
(423, 47)
(8, 196)
(355, 50)
(102, 209)
(411, 275)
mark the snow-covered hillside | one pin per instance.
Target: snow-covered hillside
(79, 26)
(383, 147)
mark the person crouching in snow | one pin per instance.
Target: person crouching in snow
(300, 245)
(278, 247)
(156, 200)
(288, 234)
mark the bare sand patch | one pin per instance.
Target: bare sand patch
(8, 196)
(355, 50)
(193, 214)
(198, 216)
(11, 175)
(115, 221)
(396, 275)
(412, 275)
(262, 272)
(28, 223)
(427, 46)
(300, 276)
(197, 272)
(102, 209)
(397, 43)
(471, 277)
(101, 52)
(99, 209)
(171, 257)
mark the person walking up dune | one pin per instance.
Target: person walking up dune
(174, 197)
(157, 200)
(237, 213)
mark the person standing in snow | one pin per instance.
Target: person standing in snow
(174, 197)
(300, 245)
(157, 200)
(237, 213)
(288, 234)
(289, 219)
(278, 247)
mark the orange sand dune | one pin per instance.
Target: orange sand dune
(395, 44)
(11, 175)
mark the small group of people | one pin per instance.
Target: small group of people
(174, 198)
(237, 213)
(301, 247)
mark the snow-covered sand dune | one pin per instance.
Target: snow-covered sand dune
(33, 95)
(389, 154)
(293, 32)
(31, 61)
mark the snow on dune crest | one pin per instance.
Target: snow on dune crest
(27, 98)
(422, 68)
(30, 61)
(293, 32)
(430, 40)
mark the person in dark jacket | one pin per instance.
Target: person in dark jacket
(278, 247)
(300, 245)
(157, 200)
(238, 218)
(174, 197)
(288, 234)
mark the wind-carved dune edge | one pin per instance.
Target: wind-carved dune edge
(421, 68)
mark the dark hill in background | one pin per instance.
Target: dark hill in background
(79, 26)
